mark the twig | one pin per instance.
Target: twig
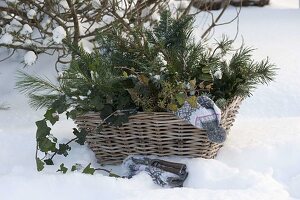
(109, 172)
(9, 56)
(65, 144)
(214, 22)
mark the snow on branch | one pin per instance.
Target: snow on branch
(51, 26)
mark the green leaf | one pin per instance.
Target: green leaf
(71, 114)
(62, 169)
(60, 105)
(49, 161)
(125, 74)
(81, 135)
(63, 149)
(180, 98)
(89, 170)
(173, 107)
(118, 119)
(106, 111)
(46, 145)
(97, 102)
(39, 164)
(114, 175)
(76, 167)
(42, 129)
(192, 100)
(52, 116)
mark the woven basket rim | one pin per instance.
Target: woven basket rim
(160, 134)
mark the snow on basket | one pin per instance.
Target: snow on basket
(153, 133)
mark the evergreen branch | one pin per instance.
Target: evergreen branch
(29, 84)
(42, 101)
(265, 72)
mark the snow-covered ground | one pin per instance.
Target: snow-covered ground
(260, 159)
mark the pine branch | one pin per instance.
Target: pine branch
(42, 101)
(29, 84)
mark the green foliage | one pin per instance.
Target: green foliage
(80, 135)
(63, 149)
(48, 162)
(62, 169)
(157, 59)
(88, 170)
(39, 164)
(140, 69)
(241, 75)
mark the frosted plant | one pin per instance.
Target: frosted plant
(47, 23)
(30, 58)
(59, 34)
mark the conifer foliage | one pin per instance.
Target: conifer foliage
(142, 69)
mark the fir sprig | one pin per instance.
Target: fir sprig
(34, 84)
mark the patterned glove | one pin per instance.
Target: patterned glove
(162, 172)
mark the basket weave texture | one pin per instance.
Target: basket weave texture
(152, 133)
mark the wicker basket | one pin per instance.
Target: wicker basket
(157, 133)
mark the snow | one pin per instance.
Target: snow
(15, 23)
(157, 77)
(31, 14)
(218, 74)
(86, 45)
(6, 39)
(12, 1)
(26, 30)
(59, 34)
(30, 58)
(96, 4)
(260, 159)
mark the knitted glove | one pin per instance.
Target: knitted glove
(162, 172)
(206, 116)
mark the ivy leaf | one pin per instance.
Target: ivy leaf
(71, 114)
(192, 100)
(180, 98)
(125, 74)
(52, 116)
(173, 107)
(42, 129)
(118, 119)
(39, 164)
(62, 169)
(76, 167)
(97, 102)
(106, 111)
(46, 145)
(63, 149)
(81, 135)
(89, 170)
(60, 105)
(49, 161)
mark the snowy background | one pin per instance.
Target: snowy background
(260, 159)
